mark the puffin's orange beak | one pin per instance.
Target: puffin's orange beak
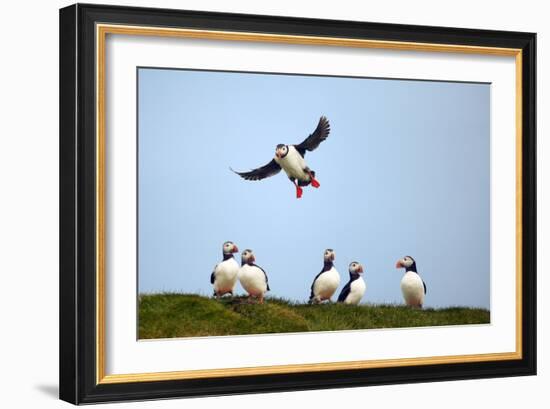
(360, 269)
(277, 154)
(235, 248)
(253, 259)
(399, 264)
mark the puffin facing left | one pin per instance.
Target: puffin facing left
(412, 285)
(224, 276)
(291, 159)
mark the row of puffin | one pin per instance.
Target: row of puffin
(254, 279)
(327, 281)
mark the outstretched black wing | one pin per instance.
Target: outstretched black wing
(272, 168)
(345, 292)
(425, 290)
(265, 274)
(314, 140)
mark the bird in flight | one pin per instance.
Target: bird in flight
(290, 158)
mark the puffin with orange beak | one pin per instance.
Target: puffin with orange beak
(290, 158)
(412, 285)
(224, 276)
(354, 290)
(253, 278)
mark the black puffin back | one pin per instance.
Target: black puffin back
(414, 269)
(265, 274)
(347, 288)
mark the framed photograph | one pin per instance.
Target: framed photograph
(256, 203)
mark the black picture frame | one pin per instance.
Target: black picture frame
(78, 236)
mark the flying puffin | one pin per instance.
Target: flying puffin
(412, 286)
(354, 290)
(291, 159)
(253, 278)
(224, 275)
(327, 281)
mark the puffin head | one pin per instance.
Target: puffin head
(229, 247)
(281, 151)
(247, 257)
(406, 262)
(329, 255)
(355, 268)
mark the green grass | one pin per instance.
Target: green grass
(171, 315)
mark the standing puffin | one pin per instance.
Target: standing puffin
(291, 159)
(224, 276)
(253, 278)
(327, 281)
(412, 286)
(354, 290)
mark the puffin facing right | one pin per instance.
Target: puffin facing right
(354, 290)
(253, 278)
(224, 276)
(412, 286)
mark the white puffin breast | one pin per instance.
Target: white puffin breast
(226, 275)
(412, 288)
(293, 164)
(326, 284)
(253, 280)
(357, 290)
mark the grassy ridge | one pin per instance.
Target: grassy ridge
(188, 315)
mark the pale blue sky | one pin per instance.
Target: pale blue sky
(405, 171)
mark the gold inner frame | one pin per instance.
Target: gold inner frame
(101, 32)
